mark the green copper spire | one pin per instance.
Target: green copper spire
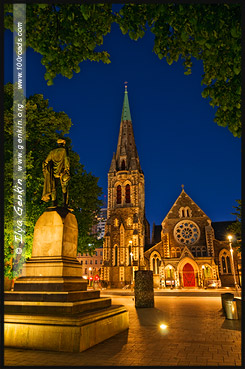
(126, 111)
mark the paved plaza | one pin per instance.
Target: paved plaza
(197, 334)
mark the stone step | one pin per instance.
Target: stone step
(64, 332)
(68, 296)
(40, 307)
(53, 284)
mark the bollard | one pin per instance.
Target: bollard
(231, 309)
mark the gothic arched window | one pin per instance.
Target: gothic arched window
(156, 262)
(123, 165)
(127, 193)
(193, 250)
(173, 252)
(225, 262)
(178, 252)
(228, 262)
(204, 251)
(119, 194)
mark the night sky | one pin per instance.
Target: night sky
(176, 138)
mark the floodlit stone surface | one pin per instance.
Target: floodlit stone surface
(50, 307)
(64, 333)
(55, 234)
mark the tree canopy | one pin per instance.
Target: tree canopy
(236, 227)
(44, 127)
(67, 34)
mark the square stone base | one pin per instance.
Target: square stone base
(74, 333)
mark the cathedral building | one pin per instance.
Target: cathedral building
(126, 228)
(184, 250)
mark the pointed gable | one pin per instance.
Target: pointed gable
(186, 253)
(182, 202)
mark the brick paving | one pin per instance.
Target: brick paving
(197, 335)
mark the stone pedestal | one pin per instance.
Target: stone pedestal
(143, 289)
(50, 307)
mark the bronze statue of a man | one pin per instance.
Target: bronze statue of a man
(56, 167)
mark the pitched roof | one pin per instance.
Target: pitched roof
(183, 195)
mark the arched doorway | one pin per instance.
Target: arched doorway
(188, 276)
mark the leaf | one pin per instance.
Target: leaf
(236, 70)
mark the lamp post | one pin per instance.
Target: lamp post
(170, 268)
(232, 260)
(90, 281)
(203, 276)
(131, 256)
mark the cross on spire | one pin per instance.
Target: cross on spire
(126, 86)
(182, 187)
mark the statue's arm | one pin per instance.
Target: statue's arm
(67, 164)
(45, 163)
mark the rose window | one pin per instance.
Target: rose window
(186, 232)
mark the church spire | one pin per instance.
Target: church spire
(126, 111)
(126, 157)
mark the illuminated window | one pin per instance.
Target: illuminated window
(225, 263)
(207, 272)
(129, 221)
(127, 193)
(119, 194)
(123, 165)
(169, 273)
(116, 222)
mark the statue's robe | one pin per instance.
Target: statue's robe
(56, 165)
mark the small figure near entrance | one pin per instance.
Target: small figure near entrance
(56, 167)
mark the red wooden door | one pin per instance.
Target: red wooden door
(188, 276)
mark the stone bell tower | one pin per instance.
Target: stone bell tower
(125, 230)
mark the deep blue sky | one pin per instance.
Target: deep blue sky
(177, 140)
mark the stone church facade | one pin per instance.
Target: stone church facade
(183, 251)
(187, 253)
(126, 229)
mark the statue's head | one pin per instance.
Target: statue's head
(61, 142)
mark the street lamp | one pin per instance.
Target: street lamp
(131, 256)
(232, 260)
(90, 281)
(203, 276)
(170, 268)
